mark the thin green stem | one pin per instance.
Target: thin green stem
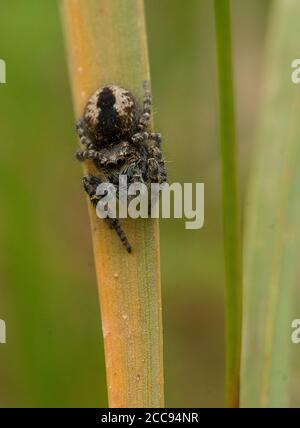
(231, 222)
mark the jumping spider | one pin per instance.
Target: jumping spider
(113, 131)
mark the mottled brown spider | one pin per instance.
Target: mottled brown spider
(113, 133)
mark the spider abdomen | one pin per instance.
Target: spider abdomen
(111, 114)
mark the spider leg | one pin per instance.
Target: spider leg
(156, 137)
(146, 113)
(156, 171)
(83, 155)
(156, 166)
(81, 131)
(103, 156)
(90, 184)
(139, 137)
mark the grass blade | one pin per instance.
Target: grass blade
(231, 224)
(272, 217)
(106, 42)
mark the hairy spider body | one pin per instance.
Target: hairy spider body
(113, 133)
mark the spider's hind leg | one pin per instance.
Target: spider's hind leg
(90, 184)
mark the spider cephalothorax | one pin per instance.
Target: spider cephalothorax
(113, 132)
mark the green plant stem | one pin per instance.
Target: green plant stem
(231, 221)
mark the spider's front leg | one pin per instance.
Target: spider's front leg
(90, 184)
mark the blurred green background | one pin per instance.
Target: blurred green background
(48, 293)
